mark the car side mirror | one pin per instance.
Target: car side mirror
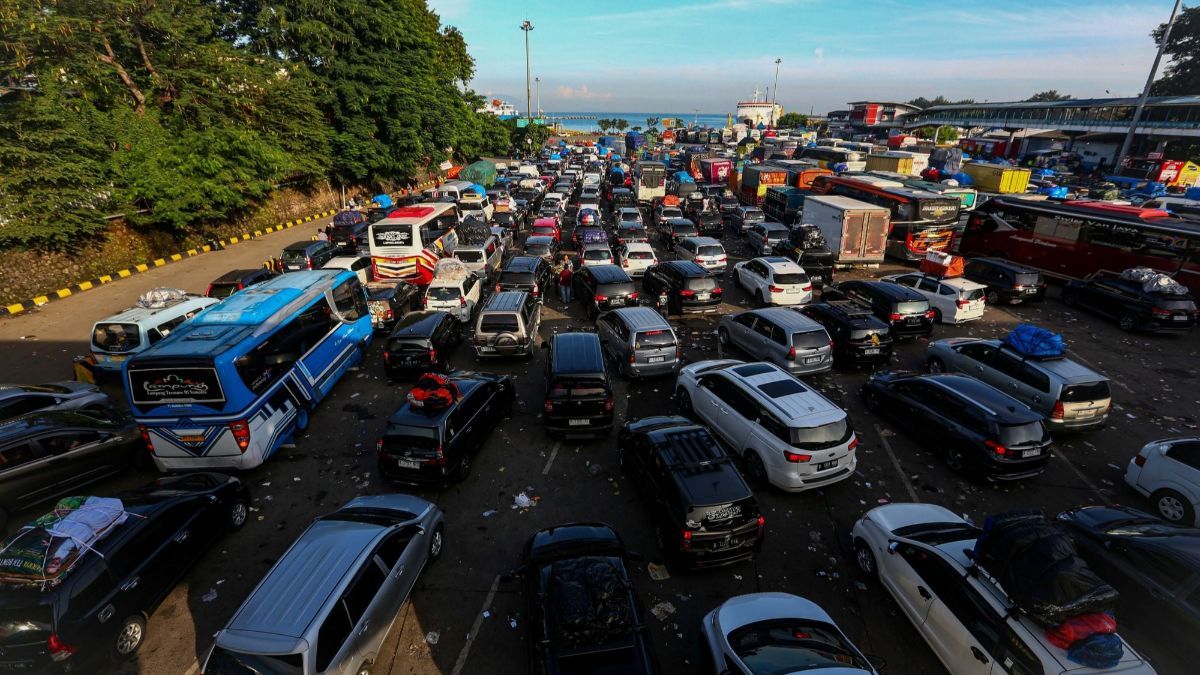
(893, 546)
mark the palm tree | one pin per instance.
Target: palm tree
(620, 124)
(651, 121)
(604, 123)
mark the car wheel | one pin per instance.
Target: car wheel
(301, 421)
(239, 511)
(1127, 323)
(758, 299)
(436, 541)
(936, 365)
(872, 401)
(1173, 507)
(364, 669)
(864, 558)
(464, 467)
(723, 337)
(130, 637)
(755, 470)
(937, 315)
(684, 401)
(1070, 298)
(992, 298)
(955, 460)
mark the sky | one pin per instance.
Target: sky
(681, 57)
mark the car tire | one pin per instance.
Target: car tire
(756, 471)
(237, 514)
(364, 669)
(937, 315)
(936, 365)
(464, 467)
(864, 560)
(1127, 323)
(437, 542)
(871, 400)
(129, 638)
(955, 460)
(758, 299)
(723, 338)
(992, 298)
(1070, 297)
(1173, 507)
(684, 401)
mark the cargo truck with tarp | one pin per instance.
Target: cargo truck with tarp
(856, 232)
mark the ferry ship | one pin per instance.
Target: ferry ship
(755, 112)
(502, 109)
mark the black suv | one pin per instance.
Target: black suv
(527, 273)
(859, 339)
(579, 396)
(1133, 307)
(101, 598)
(421, 341)
(689, 287)
(980, 431)
(236, 280)
(583, 613)
(389, 300)
(675, 229)
(904, 310)
(350, 237)
(708, 222)
(600, 288)
(1006, 281)
(704, 513)
(44, 455)
(422, 446)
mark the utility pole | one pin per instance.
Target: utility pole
(1137, 113)
(526, 27)
(774, 91)
(538, 81)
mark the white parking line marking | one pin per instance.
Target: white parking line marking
(912, 493)
(553, 454)
(194, 669)
(487, 602)
(1075, 469)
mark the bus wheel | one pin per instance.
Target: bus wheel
(301, 420)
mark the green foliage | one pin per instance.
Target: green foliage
(651, 122)
(1181, 77)
(620, 124)
(792, 120)
(944, 134)
(1050, 95)
(922, 102)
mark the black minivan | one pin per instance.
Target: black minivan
(689, 287)
(579, 396)
(1006, 281)
(306, 255)
(421, 341)
(904, 310)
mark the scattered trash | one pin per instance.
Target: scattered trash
(266, 484)
(522, 501)
(595, 469)
(296, 479)
(355, 395)
(210, 595)
(662, 610)
(489, 513)
(658, 572)
(737, 577)
(512, 623)
(487, 614)
(432, 637)
(860, 585)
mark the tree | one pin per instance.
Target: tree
(922, 102)
(944, 134)
(1181, 77)
(637, 127)
(1050, 95)
(620, 124)
(792, 120)
(651, 122)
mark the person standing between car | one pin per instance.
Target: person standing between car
(564, 284)
(322, 234)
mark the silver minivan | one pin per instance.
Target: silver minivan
(639, 340)
(781, 336)
(508, 325)
(328, 603)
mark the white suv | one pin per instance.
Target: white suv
(787, 433)
(919, 553)
(457, 294)
(1168, 472)
(952, 299)
(636, 257)
(704, 251)
(774, 281)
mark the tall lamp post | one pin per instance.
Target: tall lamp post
(1141, 104)
(774, 92)
(538, 81)
(526, 27)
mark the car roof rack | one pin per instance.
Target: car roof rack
(849, 308)
(685, 450)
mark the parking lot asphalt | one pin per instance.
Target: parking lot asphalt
(463, 617)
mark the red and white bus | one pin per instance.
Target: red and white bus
(1077, 239)
(921, 221)
(409, 242)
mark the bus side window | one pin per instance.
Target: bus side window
(349, 300)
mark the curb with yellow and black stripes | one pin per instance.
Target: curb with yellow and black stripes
(38, 301)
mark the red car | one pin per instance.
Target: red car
(547, 227)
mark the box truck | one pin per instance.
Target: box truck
(856, 232)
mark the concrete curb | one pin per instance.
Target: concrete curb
(38, 301)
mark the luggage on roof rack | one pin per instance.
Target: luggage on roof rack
(1034, 342)
(1153, 281)
(43, 552)
(941, 264)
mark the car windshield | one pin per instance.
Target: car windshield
(630, 216)
(516, 278)
(777, 235)
(1186, 305)
(813, 339)
(617, 288)
(640, 255)
(753, 214)
(791, 645)
(537, 249)
(1091, 391)
(498, 323)
(577, 389)
(222, 290)
(224, 662)
(294, 255)
(912, 307)
(116, 337)
(1021, 434)
(443, 293)
(976, 294)
(654, 338)
(824, 436)
(469, 256)
(597, 254)
(710, 250)
(402, 438)
(1027, 278)
(785, 278)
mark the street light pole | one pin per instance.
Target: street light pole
(526, 27)
(1137, 113)
(774, 92)
(538, 81)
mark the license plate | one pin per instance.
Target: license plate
(816, 277)
(913, 319)
(578, 423)
(407, 464)
(192, 439)
(1179, 317)
(1030, 453)
(722, 544)
(702, 296)
(657, 359)
(414, 361)
(872, 350)
(117, 358)
(1029, 291)
(812, 359)
(827, 465)
(1090, 412)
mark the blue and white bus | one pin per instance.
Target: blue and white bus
(231, 386)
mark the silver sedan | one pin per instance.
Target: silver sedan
(19, 399)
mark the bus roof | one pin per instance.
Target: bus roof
(1169, 224)
(417, 213)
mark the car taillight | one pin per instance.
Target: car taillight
(775, 289)
(389, 314)
(308, 263)
(600, 298)
(853, 443)
(633, 295)
(1139, 459)
(608, 404)
(807, 288)
(718, 290)
(379, 446)
(145, 432)
(633, 357)
(439, 457)
(241, 433)
(791, 355)
(497, 288)
(462, 301)
(625, 262)
(995, 447)
(960, 303)
(795, 458)
(1160, 312)
(687, 293)
(685, 540)
(433, 356)
(895, 316)
(208, 291)
(536, 290)
(929, 314)
(549, 406)
(762, 522)
(59, 650)
(1057, 413)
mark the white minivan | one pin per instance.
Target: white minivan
(133, 330)
(952, 299)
